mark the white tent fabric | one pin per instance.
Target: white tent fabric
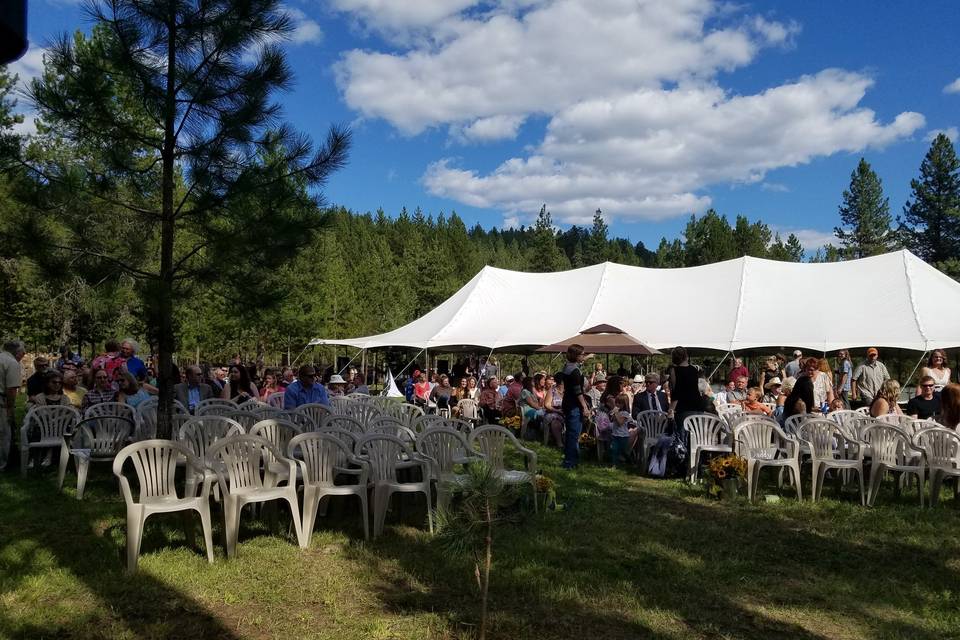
(390, 389)
(892, 300)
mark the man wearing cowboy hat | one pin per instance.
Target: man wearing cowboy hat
(772, 389)
(650, 399)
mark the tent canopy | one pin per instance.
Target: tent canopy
(892, 300)
(603, 339)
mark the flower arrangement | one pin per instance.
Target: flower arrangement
(587, 440)
(546, 491)
(724, 474)
(513, 422)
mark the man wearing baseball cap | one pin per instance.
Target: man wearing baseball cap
(868, 377)
(794, 367)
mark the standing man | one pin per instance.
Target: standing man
(795, 366)
(305, 390)
(574, 405)
(845, 370)
(868, 377)
(128, 351)
(11, 376)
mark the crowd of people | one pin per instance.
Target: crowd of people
(562, 403)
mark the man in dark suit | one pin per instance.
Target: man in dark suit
(649, 398)
(191, 392)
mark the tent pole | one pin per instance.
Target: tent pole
(349, 361)
(710, 377)
(910, 377)
(295, 359)
(409, 363)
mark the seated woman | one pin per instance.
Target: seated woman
(473, 392)
(336, 386)
(52, 394)
(530, 403)
(270, 385)
(490, 401)
(238, 387)
(442, 393)
(421, 391)
(552, 410)
(131, 392)
(885, 402)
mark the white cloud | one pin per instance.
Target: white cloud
(305, 29)
(953, 87)
(638, 122)
(951, 132)
(811, 239)
(775, 187)
(27, 68)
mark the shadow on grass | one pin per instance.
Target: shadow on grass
(86, 540)
(636, 558)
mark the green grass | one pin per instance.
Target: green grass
(630, 558)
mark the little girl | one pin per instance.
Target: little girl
(623, 426)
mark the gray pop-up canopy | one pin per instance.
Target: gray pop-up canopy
(892, 300)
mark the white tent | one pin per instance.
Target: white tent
(893, 300)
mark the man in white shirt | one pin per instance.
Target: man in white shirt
(11, 376)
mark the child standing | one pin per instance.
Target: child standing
(623, 426)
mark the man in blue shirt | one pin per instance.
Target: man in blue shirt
(128, 351)
(305, 390)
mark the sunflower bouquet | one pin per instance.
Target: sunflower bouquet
(725, 473)
(513, 422)
(546, 491)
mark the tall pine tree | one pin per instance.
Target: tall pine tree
(931, 218)
(865, 216)
(545, 255)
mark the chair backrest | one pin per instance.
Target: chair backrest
(276, 430)
(104, 435)
(491, 441)
(383, 453)
(359, 397)
(424, 422)
(238, 460)
(823, 436)
(344, 422)
(155, 462)
(860, 425)
(844, 416)
(654, 423)
(118, 409)
(705, 429)
(348, 438)
(754, 439)
(275, 399)
(726, 408)
(246, 419)
(146, 420)
(199, 433)
(387, 424)
(896, 419)
(792, 424)
(302, 420)
(266, 411)
(887, 443)
(405, 412)
(51, 421)
(383, 402)
(215, 407)
(341, 404)
(468, 409)
(315, 411)
(177, 421)
(863, 410)
(251, 404)
(940, 445)
(444, 447)
(322, 454)
(364, 412)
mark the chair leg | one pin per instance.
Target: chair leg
(863, 497)
(753, 475)
(920, 475)
(935, 482)
(795, 467)
(205, 524)
(83, 466)
(426, 493)
(231, 524)
(62, 470)
(363, 514)
(302, 538)
(310, 499)
(876, 476)
(135, 520)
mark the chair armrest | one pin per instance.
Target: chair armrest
(531, 456)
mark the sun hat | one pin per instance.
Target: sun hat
(638, 378)
(337, 379)
(509, 378)
(774, 381)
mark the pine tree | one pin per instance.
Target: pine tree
(545, 255)
(171, 101)
(931, 218)
(596, 249)
(865, 216)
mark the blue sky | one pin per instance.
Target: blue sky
(648, 110)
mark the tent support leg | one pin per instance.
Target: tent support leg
(728, 353)
(910, 377)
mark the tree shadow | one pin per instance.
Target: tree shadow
(83, 543)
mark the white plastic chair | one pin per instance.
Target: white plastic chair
(215, 407)
(863, 410)
(348, 438)
(245, 419)
(941, 450)
(387, 424)
(362, 412)
(316, 412)
(199, 434)
(762, 443)
(405, 412)
(251, 404)
(446, 448)
(791, 425)
(654, 424)
(826, 442)
(469, 410)
(891, 450)
(344, 422)
(491, 441)
(359, 397)
(155, 462)
(118, 409)
(237, 461)
(385, 455)
(707, 433)
(428, 420)
(51, 423)
(264, 412)
(278, 432)
(341, 404)
(96, 439)
(275, 399)
(147, 419)
(320, 457)
(302, 420)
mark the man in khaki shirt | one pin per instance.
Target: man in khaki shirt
(868, 377)
(11, 376)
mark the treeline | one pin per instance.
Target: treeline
(347, 274)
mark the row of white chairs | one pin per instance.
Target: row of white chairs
(272, 461)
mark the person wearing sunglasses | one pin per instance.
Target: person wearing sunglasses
(927, 403)
(102, 391)
(937, 369)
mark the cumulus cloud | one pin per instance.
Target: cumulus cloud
(638, 122)
(305, 30)
(811, 239)
(951, 132)
(953, 87)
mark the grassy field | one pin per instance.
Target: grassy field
(629, 558)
